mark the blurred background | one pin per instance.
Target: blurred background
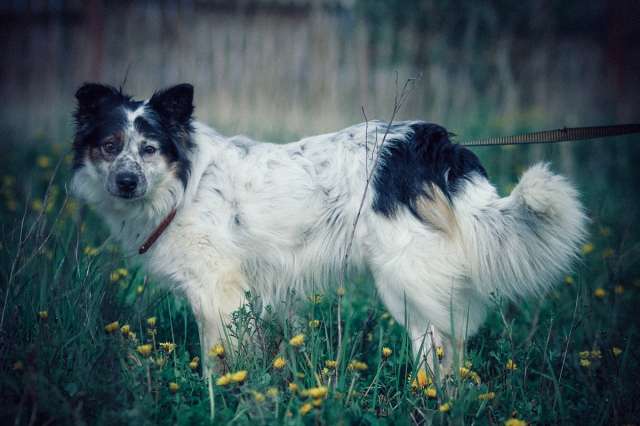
(283, 69)
(273, 68)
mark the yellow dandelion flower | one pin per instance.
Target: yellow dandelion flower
(475, 377)
(43, 315)
(90, 251)
(293, 388)
(511, 365)
(123, 272)
(195, 362)
(325, 371)
(258, 396)
(587, 248)
(224, 380)
(616, 351)
(132, 336)
(317, 402)
(36, 205)
(279, 363)
(305, 409)
(217, 350)
(464, 372)
(144, 350)
(444, 408)
(430, 392)
(314, 323)
(356, 365)
(600, 292)
(168, 347)
(272, 392)
(619, 289)
(114, 277)
(487, 396)
(125, 330)
(18, 366)
(112, 326)
(140, 289)
(568, 280)
(422, 380)
(316, 393)
(584, 354)
(596, 354)
(439, 352)
(585, 363)
(331, 364)
(386, 352)
(297, 340)
(43, 161)
(174, 387)
(239, 376)
(151, 321)
(315, 298)
(515, 422)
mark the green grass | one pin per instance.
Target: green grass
(66, 368)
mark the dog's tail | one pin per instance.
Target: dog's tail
(520, 245)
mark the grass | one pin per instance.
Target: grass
(573, 355)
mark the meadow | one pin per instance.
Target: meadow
(87, 338)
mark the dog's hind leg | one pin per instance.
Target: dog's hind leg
(421, 279)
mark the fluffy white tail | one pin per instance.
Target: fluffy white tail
(520, 245)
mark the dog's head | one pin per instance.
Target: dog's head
(127, 149)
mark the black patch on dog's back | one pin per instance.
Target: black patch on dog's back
(426, 156)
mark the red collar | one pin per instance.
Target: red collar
(157, 232)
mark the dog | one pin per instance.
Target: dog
(218, 216)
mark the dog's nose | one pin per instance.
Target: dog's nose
(126, 182)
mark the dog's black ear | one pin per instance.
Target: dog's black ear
(92, 95)
(175, 103)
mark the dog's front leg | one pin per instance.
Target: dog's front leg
(213, 298)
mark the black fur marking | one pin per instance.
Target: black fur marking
(102, 111)
(424, 157)
(174, 104)
(175, 142)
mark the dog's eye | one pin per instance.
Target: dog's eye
(149, 150)
(109, 147)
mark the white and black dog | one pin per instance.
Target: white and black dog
(218, 216)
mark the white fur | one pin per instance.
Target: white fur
(269, 217)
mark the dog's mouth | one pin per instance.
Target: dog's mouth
(127, 195)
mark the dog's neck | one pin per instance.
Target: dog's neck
(133, 226)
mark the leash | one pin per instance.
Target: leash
(566, 134)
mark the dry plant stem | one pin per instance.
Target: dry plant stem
(400, 98)
(566, 347)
